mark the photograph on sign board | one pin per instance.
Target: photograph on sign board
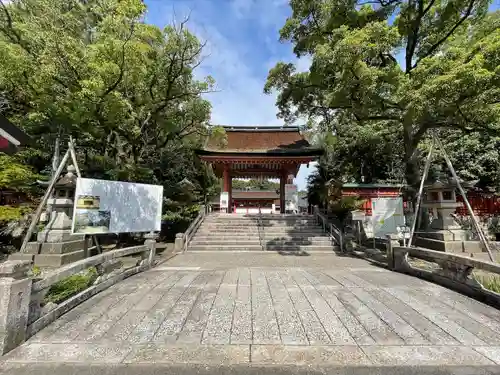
(88, 201)
(103, 206)
(92, 221)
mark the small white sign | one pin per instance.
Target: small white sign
(358, 215)
(290, 192)
(224, 199)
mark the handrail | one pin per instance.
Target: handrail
(193, 227)
(260, 227)
(329, 228)
(455, 271)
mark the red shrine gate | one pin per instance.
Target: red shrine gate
(259, 152)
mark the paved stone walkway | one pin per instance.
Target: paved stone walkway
(269, 309)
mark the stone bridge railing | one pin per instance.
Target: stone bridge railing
(182, 239)
(22, 309)
(453, 271)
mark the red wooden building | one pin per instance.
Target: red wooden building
(482, 203)
(11, 137)
(259, 152)
(369, 191)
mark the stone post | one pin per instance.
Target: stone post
(179, 243)
(392, 241)
(150, 243)
(15, 295)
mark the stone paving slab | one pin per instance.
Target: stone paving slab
(183, 369)
(314, 311)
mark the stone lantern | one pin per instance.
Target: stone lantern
(55, 245)
(61, 206)
(445, 233)
(441, 200)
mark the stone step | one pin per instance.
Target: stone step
(263, 229)
(255, 228)
(256, 216)
(270, 242)
(236, 234)
(240, 247)
(256, 220)
(266, 245)
(244, 238)
(264, 225)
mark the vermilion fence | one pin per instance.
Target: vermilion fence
(482, 204)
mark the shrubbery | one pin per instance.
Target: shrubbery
(70, 286)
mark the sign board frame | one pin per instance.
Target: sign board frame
(387, 215)
(102, 206)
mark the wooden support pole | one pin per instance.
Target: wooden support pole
(419, 195)
(480, 233)
(38, 212)
(71, 147)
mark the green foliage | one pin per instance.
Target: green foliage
(343, 206)
(449, 78)
(8, 213)
(70, 286)
(489, 282)
(14, 175)
(124, 89)
(255, 185)
(36, 271)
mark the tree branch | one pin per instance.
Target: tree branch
(122, 63)
(436, 45)
(413, 38)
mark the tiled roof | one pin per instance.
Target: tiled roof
(11, 137)
(261, 139)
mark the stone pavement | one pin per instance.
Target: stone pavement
(247, 310)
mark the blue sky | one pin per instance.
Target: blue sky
(242, 45)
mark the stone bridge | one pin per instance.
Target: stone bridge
(266, 313)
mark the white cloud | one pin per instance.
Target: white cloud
(240, 100)
(239, 66)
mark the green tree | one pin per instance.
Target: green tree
(449, 78)
(254, 184)
(122, 88)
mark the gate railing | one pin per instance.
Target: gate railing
(329, 228)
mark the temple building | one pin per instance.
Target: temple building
(258, 152)
(11, 137)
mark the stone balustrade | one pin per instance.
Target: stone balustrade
(22, 308)
(182, 239)
(454, 271)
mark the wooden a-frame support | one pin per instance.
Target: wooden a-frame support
(438, 143)
(70, 153)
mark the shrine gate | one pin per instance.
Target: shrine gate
(259, 152)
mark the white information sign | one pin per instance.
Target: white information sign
(290, 192)
(224, 199)
(116, 207)
(291, 198)
(387, 215)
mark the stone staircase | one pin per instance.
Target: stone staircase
(287, 233)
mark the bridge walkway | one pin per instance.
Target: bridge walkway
(241, 309)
